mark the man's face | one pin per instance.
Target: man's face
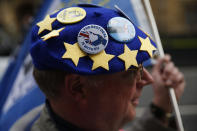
(114, 97)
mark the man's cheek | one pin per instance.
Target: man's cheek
(132, 91)
(129, 113)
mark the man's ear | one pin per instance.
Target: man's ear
(75, 87)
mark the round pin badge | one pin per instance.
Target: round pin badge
(121, 29)
(71, 15)
(92, 39)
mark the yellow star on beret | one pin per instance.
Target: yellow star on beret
(53, 33)
(73, 52)
(147, 46)
(129, 57)
(45, 24)
(101, 60)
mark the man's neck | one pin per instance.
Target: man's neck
(59, 121)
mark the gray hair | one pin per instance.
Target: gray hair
(50, 81)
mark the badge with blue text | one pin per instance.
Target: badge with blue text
(71, 15)
(92, 39)
(121, 29)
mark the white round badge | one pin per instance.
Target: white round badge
(92, 39)
(121, 29)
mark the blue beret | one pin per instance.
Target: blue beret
(62, 44)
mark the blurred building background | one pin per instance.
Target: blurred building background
(15, 19)
(177, 24)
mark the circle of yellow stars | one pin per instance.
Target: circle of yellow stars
(100, 60)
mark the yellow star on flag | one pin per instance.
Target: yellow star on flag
(129, 57)
(101, 60)
(46, 24)
(147, 46)
(53, 33)
(73, 52)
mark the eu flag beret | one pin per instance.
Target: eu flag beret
(89, 40)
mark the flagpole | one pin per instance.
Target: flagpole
(161, 52)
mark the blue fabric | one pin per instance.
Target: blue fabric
(8, 79)
(48, 54)
(35, 97)
(28, 102)
(4, 88)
